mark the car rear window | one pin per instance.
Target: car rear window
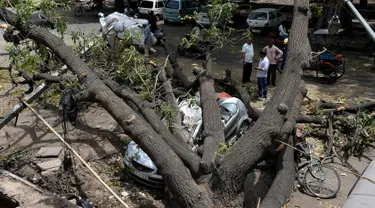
(172, 5)
(160, 4)
(258, 16)
(147, 4)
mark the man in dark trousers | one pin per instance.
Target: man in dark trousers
(247, 60)
(273, 55)
(152, 21)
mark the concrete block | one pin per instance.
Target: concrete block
(49, 152)
(49, 164)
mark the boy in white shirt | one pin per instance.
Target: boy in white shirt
(262, 69)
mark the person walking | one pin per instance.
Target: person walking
(247, 60)
(262, 69)
(273, 55)
(152, 21)
(147, 40)
(282, 31)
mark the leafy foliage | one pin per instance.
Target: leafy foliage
(219, 12)
(224, 148)
(316, 10)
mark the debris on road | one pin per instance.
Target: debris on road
(49, 152)
(54, 163)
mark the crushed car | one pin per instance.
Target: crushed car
(233, 115)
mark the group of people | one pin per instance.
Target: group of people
(267, 65)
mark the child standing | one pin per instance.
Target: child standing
(262, 69)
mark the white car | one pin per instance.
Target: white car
(157, 6)
(264, 19)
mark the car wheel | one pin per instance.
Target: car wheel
(166, 22)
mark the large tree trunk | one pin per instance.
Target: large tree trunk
(229, 178)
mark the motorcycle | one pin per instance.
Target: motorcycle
(160, 36)
(194, 51)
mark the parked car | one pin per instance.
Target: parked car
(204, 19)
(264, 20)
(157, 6)
(175, 10)
(233, 115)
(242, 11)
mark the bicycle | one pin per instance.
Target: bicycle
(320, 179)
(327, 65)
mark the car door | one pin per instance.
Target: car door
(159, 7)
(272, 22)
(280, 17)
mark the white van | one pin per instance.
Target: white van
(157, 6)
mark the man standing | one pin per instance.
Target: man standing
(262, 69)
(147, 41)
(247, 60)
(273, 55)
(152, 21)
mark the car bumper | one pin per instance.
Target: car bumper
(172, 19)
(147, 178)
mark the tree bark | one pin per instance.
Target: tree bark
(179, 179)
(283, 183)
(229, 178)
(175, 127)
(213, 128)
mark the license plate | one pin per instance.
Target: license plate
(255, 31)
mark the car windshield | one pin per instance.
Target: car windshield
(258, 16)
(172, 5)
(146, 4)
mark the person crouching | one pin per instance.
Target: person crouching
(262, 69)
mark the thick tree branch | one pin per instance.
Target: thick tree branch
(49, 78)
(176, 127)
(177, 71)
(328, 106)
(213, 128)
(283, 183)
(229, 178)
(180, 181)
(243, 94)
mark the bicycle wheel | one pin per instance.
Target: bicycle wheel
(322, 181)
(79, 11)
(325, 71)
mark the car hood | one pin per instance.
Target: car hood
(135, 153)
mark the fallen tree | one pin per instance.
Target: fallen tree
(220, 184)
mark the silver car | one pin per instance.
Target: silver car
(204, 20)
(264, 19)
(233, 115)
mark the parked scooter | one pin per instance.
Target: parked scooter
(195, 51)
